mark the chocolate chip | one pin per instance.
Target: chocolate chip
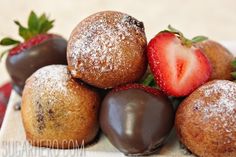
(133, 21)
(40, 117)
(196, 108)
(51, 114)
(17, 106)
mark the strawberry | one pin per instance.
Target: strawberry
(177, 65)
(147, 89)
(36, 40)
(38, 48)
(136, 119)
(5, 92)
(2, 113)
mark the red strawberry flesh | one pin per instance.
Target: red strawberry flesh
(31, 42)
(177, 69)
(2, 113)
(147, 89)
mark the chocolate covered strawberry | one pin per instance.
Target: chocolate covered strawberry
(177, 65)
(38, 49)
(136, 119)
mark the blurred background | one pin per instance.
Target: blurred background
(213, 18)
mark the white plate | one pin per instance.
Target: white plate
(14, 144)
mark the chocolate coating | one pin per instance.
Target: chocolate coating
(20, 66)
(136, 122)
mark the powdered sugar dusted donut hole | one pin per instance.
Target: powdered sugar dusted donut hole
(206, 120)
(107, 49)
(56, 107)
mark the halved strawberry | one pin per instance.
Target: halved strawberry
(178, 67)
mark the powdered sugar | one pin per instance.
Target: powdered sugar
(226, 103)
(96, 41)
(219, 104)
(48, 83)
(53, 78)
(47, 87)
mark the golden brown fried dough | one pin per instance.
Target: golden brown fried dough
(108, 49)
(220, 59)
(206, 120)
(57, 111)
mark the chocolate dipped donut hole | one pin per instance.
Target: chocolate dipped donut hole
(108, 49)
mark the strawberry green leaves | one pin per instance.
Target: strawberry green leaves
(44, 25)
(234, 67)
(185, 41)
(149, 81)
(23, 31)
(33, 22)
(9, 41)
(234, 75)
(39, 24)
(198, 39)
(234, 64)
(36, 25)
